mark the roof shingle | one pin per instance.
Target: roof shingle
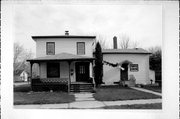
(125, 51)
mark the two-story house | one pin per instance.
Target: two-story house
(64, 62)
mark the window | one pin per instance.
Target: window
(80, 48)
(134, 67)
(50, 48)
(82, 69)
(53, 70)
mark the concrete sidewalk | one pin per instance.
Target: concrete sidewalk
(147, 91)
(88, 104)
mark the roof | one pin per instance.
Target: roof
(63, 36)
(125, 51)
(61, 57)
(24, 72)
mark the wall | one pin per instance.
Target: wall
(43, 70)
(64, 70)
(67, 45)
(112, 74)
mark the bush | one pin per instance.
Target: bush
(98, 69)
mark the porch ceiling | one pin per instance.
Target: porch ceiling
(62, 57)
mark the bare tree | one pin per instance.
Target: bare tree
(18, 50)
(20, 57)
(102, 41)
(124, 42)
(156, 49)
(135, 44)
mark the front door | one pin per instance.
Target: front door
(124, 72)
(82, 71)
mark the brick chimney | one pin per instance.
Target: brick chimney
(115, 42)
(67, 33)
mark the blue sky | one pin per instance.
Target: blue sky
(141, 23)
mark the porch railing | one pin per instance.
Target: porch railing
(42, 81)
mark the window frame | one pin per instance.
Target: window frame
(47, 48)
(51, 64)
(78, 50)
(132, 68)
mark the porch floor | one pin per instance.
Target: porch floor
(80, 83)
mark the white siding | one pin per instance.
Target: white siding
(43, 70)
(64, 70)
(112, 74)
(68, 45)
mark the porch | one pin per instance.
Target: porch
(48, 84)
(63, 71)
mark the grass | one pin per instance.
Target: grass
(153, 88)
(136, 106)
(22, 95)
(113, 93)
(22, 88)
(17, 79)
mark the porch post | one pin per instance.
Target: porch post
(39, 73)
(69, 80)
(93, 73)
(120, 81)
(31, 64)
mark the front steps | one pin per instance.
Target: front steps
(81, 87)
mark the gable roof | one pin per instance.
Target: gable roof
(62, 36)
(125, 51)
(24, 72)
(61, 57)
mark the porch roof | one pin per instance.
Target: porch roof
(62, 57)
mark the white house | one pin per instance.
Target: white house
(122, 64)
(23, 76)
(67, 61)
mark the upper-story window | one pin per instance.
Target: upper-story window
(50, 48)
(81, 48)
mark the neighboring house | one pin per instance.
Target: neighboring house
(67, 62)
(122, 64)
(23, 76)
(63, 60)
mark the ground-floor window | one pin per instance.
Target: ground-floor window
(134, 67)
(53, 70)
